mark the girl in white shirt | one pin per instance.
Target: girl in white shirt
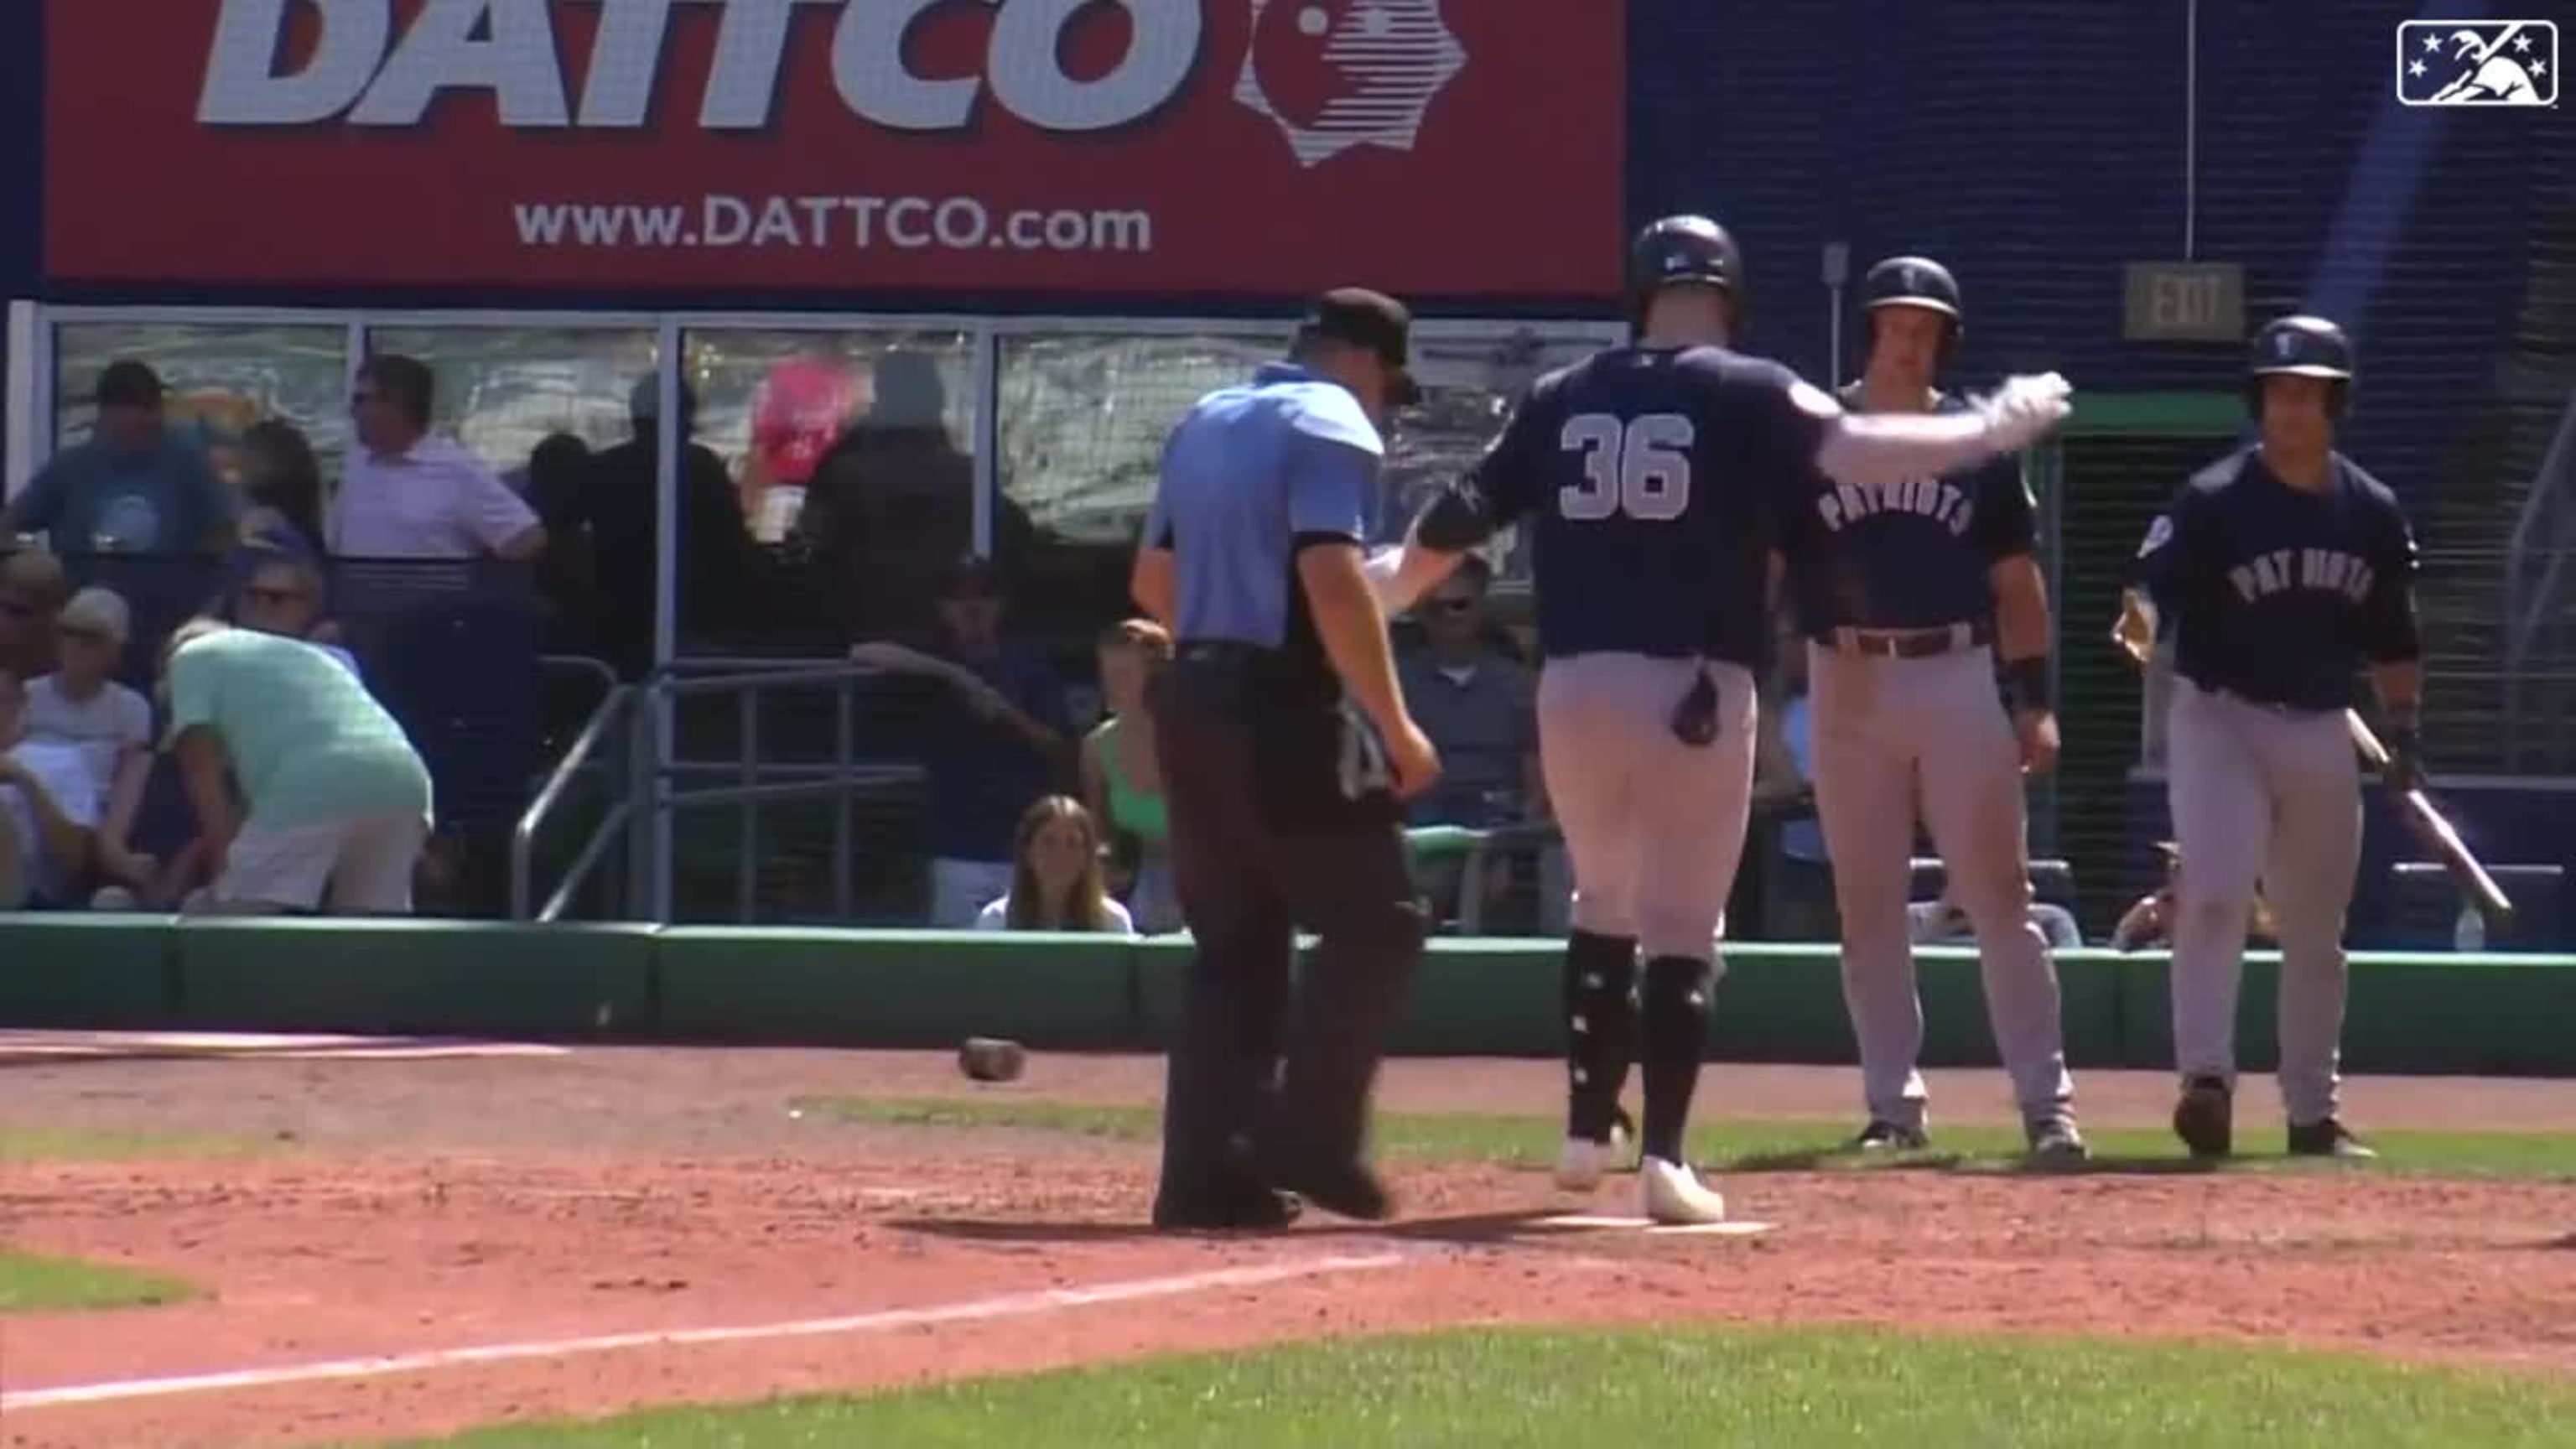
(1056, 877)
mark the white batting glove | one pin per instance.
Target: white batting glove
(2024, 409)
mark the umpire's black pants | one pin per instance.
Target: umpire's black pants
(1266, 839)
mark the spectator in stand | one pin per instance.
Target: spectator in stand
(1001, 737)
(618, 504)
(48, 804)
(81, 707)
(279, 589)
(1478, 704)
(411, 495)
(2148, 922)
(1944, 922)
(335, 803)
(892, 501)
(136, 486)
(799, 408)
(281, 481)
(1121, 779)
(32, 590)
(1056, 880)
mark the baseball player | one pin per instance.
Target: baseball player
(2279, 570)
(1652, 477)
(1908, 593)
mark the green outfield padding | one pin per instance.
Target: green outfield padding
(894, 988)
(444, 978)
(2470, 1015)
(69, 972)
(2505, 1014)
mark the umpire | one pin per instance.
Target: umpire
(1286, 752)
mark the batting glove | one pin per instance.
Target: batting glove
(2024, 408)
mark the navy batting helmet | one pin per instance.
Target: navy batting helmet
(1681, 251)
(2300, 346)
(1915, 282)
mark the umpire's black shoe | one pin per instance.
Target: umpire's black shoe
(1344, 1189)
(1232, 1202)
(2205, 1118)
(2328, 1138)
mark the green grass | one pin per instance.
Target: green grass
(47, 1144)
(33, 1284)
(1802, 1389)
(1760, 1146)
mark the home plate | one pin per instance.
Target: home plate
(1713, 1230)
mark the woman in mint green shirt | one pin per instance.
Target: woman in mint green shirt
(1120, 781)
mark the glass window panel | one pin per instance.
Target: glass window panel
(848, 552)
(1468, 385)
(503, 390)
(223, 377)
(1081, 420)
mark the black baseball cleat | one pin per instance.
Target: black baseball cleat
(2205, 1118)
(1232, 1202)
(1885, 1136)
(1344, 1189)
(2328, 1138)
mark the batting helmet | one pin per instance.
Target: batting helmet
(1915, 282)
(1681, 251)
(2300, 346)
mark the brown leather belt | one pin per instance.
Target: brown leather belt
(1909, 643)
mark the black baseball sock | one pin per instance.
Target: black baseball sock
(1601, 1029)
(1675, 1033)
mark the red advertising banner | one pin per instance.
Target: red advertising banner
(1150, 146)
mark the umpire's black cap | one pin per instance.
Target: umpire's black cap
(2302, 346)
(1377, 323)
(1681, 251)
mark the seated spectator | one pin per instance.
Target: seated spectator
(135, 486)
(82, 707)
(1121, 780)
(1000, 736)
(1478, 705)
(410, 495)
(335, 801)
(48, 804)
(278, 589)
(281, 482)
(1056, 877)
(1800, 904)
(1944, 923)
(2148, 921)
(32, 590)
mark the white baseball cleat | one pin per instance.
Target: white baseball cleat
(1676, 1197)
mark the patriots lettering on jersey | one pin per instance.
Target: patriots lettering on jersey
(2282, 569)
(1848, 503)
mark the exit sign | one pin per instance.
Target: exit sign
(2185, 302)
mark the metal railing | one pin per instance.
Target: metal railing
(631, 712)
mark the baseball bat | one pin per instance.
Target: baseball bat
(2135, 635)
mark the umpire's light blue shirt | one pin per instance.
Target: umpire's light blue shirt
(1252, 473)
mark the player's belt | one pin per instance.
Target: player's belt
(1910, 643)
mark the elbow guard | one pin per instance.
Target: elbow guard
(1452, 524)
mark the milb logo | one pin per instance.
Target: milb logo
(2477, 63)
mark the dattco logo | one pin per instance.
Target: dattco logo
(1332, 74)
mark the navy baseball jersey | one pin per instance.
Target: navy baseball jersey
(2278, 595)
(1650, 482)
(1913, 555)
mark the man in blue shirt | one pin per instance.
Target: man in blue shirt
(1286, 752)
(132, 488)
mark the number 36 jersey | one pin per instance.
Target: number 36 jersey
(1649, 484)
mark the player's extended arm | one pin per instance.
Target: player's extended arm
(2394, 644)
(1402, 574)
(1867, 448)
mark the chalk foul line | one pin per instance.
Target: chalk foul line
(1013, 1305)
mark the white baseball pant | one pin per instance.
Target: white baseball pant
(1893, 737)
